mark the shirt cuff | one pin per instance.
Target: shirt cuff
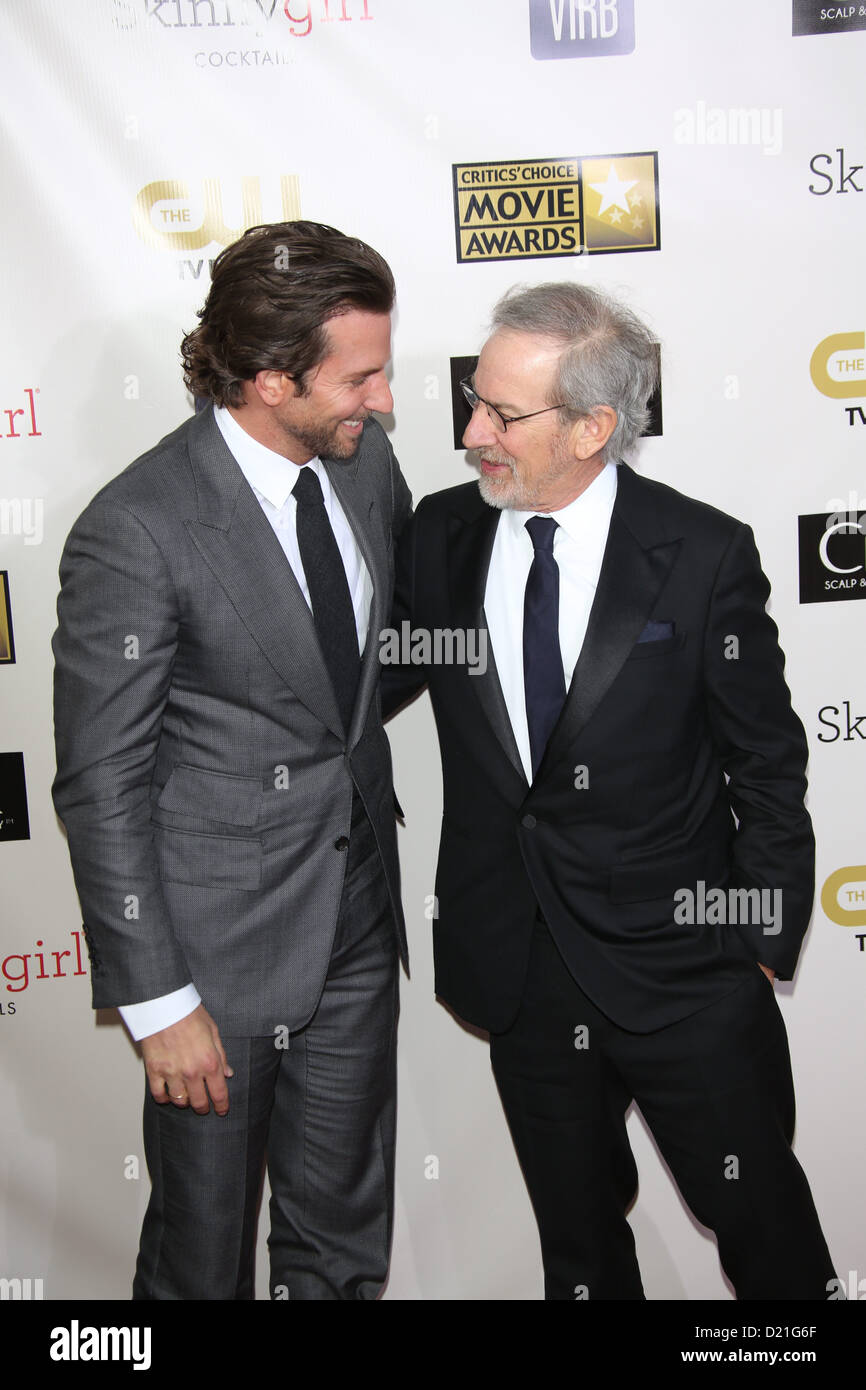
(153, 1014)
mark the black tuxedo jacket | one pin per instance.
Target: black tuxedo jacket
(677, 767)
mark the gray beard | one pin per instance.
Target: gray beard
(514, 492)
(502, 496)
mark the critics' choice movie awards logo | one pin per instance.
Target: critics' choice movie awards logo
(464, 367)
(580, 28)
(7, 641)
(173, 215)
(520, 209)
(812, 18)
(833, 555)
(14, 820)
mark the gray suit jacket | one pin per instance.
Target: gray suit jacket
(203, 774)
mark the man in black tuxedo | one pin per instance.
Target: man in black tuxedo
(626, 861)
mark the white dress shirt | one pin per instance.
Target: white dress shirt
(578, 548)
(272, 479)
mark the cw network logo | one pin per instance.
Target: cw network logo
(843, 899)
(580, 28)
(838, 370)
(168, 216)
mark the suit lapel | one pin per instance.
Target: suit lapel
(638, 557)
(472, 531)
(350, 483)
(237, 542)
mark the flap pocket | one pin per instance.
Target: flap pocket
(194, 791)
(208, 861)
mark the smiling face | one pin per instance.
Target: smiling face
(536, 464)
(345, 388)
(342, 392)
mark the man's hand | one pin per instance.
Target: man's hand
(187, 1064)
(770, 974)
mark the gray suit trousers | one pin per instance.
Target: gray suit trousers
(322, 1111)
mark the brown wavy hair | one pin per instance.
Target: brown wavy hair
(271, 294)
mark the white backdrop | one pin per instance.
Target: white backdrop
(353, 112)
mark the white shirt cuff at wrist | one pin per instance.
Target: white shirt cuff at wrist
(153, 1014)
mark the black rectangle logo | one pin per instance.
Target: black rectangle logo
(7, 640)
(463, 367)
(814, 18)
(14, 820)
(832, 557)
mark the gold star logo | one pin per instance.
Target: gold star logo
(613, 192)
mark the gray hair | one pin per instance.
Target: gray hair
(609, 357)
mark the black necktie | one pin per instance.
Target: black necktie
(543, 676)
(325, 573)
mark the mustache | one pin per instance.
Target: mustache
(494, 456)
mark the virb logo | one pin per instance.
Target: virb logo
(580, 28)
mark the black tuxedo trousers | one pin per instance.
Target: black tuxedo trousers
(715, 1090)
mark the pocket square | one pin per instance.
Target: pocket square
(656, 632)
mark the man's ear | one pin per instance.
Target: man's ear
(590, 434)
(273, 387)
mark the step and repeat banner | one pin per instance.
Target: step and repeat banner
(703, 161)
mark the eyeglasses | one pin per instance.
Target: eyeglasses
(500, 422)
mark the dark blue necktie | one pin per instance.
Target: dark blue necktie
(331, 601)
(543, 676)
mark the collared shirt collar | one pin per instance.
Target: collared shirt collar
(585, 515)
(272, 475)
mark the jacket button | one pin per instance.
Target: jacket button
(528, 822)
(342, 843)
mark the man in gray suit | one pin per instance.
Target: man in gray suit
(225, 781)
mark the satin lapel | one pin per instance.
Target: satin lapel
(633, 572)
(237, 542)
(360, 505)
(470, 543)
